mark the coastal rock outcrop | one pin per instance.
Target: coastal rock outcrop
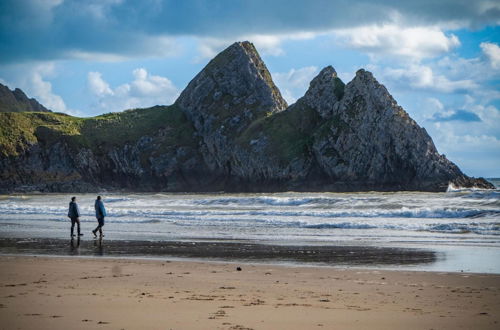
(17, 101)
(233, 90)
(371, 141)
(231, 130)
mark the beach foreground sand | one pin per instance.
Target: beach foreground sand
(95, 293)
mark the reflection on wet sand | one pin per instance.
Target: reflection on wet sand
(74, 246)
(98, 247)
(223, 250)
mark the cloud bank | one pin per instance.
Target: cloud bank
(40, 30)
(145, 90)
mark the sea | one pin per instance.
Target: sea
(460, 226)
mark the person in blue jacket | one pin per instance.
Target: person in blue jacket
(74, 215)
(100, 213)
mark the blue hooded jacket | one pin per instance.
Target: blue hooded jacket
(100, 211)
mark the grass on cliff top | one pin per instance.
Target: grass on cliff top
(19, 130)
(128, 126)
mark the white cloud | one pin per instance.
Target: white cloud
(423, 77)
(96, 56)
(146, 85)
(450, 74)
(473, 146)
(489, 114)
(34, 81)
(294, 83)
(458, 135)
(42, 90)
(267, 44)
(99, 8)
(144, 91)
(492, 52)
(430, 106)
(97, 85)
(414, 43)
(145, 46)
(475, 154)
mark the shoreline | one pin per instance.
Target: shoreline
(237, 251)
(449, 259)
(113, 293)
(252, 263)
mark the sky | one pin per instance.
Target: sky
(439, 59)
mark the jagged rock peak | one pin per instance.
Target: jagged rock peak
(17, 101)
(376, 97)
(236, 75)
(366, 81)
(244, 56)
(325, 90)
(232, 91)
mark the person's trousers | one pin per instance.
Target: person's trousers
(100, 222)
(73, 221)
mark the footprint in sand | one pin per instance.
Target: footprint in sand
(217, 315)
(240, 327)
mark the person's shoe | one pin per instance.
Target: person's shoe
(80, 234)
(93, 232)
(72, 235)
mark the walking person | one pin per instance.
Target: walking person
(100, 213)
(74, 215)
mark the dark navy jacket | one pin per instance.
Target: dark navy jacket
(74, 211)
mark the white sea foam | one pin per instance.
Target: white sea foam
(285, 216)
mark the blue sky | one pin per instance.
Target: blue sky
(439, 59)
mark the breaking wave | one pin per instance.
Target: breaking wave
(142, 212)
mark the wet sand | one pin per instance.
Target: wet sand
(330, 255)
(89, 293)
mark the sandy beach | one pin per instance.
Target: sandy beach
(89, 293)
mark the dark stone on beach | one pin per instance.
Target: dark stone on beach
(238, 269)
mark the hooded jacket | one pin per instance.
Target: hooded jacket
(74, 211)
(100, 211)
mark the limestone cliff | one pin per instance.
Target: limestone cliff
(232, 91)
(231, 130)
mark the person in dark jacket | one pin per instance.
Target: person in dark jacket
(100, 213)
(74, 215)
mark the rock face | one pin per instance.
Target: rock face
(17, 101)
(370, 140)
(231, 130)
(231, 92)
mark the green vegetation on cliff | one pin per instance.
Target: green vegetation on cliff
(289, 133)
(20, 130)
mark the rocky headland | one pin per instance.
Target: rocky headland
(17, 101)
(231, 130)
